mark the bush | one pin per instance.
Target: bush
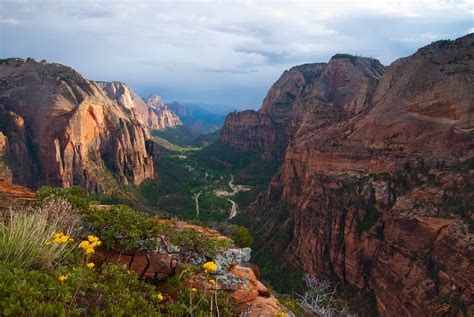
(241, 236)
(25, 235)
(110, 291)
(75, 195)
(124, 228)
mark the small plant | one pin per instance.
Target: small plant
(320, 298)
(241, 236)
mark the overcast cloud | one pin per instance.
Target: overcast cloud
(227, 52)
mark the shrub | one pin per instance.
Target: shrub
(124, 228)
(241, 236)
(25, 235)
(75, 195)
(110, 291)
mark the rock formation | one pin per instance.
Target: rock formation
(153, 113)
(161, 116)
(376, 182)
(61, 129)
(14, 196)
(333, 91)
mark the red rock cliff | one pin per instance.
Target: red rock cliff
(62, 130)
(381, 193)
(334, 90)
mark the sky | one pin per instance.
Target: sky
(219, 52)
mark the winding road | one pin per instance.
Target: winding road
(224, 194)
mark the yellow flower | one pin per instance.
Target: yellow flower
(213, 282)
(84, 245)
(89, 250)
(209, 267)
(282, 314)
(160, 297)
(62, 278)
(60, 237)
(194, 290)
(90, 265)
(92, 239)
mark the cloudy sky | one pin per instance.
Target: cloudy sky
(222, 52)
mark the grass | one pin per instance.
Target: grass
(25, 235)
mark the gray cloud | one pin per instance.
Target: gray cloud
(227, 52)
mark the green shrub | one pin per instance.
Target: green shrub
(75, 195)
(25, 235)
(124, 228)
(110, 291)
(241, 236)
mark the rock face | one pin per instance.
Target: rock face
(153, 113)
(14, 195)
(377, 178)
(331, 91)
(62, 130)
(160, 116)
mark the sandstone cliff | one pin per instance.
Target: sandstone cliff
(160, 115)
(333, 91)
(376, 183)
(153, 113)
(61, 129)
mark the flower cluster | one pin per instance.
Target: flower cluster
(160, 297)
(209, 267)
(90, 244)
(62, 278)
(60, 238)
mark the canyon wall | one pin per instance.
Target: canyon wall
(335, 90)
(376, 182)
(153, 112)
(61, 129)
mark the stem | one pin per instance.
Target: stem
(217, 306)
(80, 280)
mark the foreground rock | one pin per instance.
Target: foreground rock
(376, 183)
(61, 129)
(14, 196)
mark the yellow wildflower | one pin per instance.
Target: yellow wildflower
(213, 282)
(209, 267)
(84, 245)
(160, 297)
(60, 237)
(194, 290)
(282, 314)
(90, 265)
(62, 278)
(89, 251)
(92, 239)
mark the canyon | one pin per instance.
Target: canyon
(375, 181)
(376, 177)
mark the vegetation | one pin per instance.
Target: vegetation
(25, 235)
(241, 236)
(47, 267)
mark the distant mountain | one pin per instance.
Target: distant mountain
(197, 118)
(212, 108)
